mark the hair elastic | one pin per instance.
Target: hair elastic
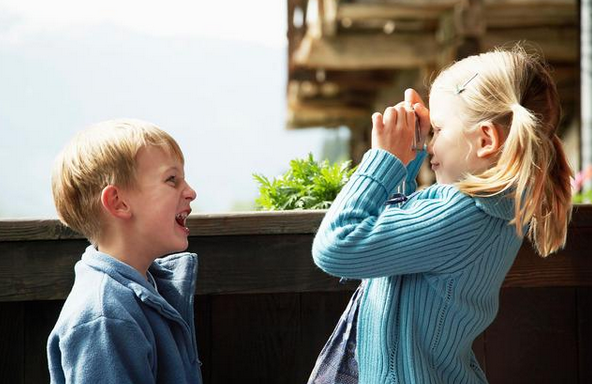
(464, 86)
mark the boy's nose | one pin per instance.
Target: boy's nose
(190, 193)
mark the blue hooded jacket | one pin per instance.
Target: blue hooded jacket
(115, 327)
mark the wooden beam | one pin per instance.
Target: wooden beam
(366, 52)
(329, 116)
(357, 80)
(530, 3)
(201, 224)
(328, 17)
(498, 12)
(558, 45)
(263, 258)
(393, 11)
(409, 3)
(505, 14)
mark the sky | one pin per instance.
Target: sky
(211, 74)
(261, 21)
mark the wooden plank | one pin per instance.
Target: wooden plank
(328, 17)
(40, 318)
(259, 264)
(203, 224)
(556, 44)
(23, 229)
(360, 52)
(43, 270)
(319, 313)
(581, 216)
(327, 94)
(419, 3)
(310, 115)
(533, 339)
(386, 11)
(534, 4)
(570, 267)
(12, 336)
(38, 270)
(221, 224)
(584, 308)
(203, 328)
(480, 351)
(544, 14)
(255, 338)
(364, 80)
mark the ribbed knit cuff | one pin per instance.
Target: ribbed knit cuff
(382, 167)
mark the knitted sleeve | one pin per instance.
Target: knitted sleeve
(360, 238)
(412, 171)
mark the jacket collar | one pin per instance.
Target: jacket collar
(500, 205)
(175, 277)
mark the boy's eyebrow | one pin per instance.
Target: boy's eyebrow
(173, 168)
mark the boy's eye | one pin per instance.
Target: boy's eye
(171, 179)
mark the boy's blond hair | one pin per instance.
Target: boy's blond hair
(514, 90)
(102, 155)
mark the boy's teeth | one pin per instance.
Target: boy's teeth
(180, 217)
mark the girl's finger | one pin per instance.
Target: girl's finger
(402, 104)
(401, 116)
(412, 97)
(424, 118)
(377, 122)
(390, 117)
(410, 116)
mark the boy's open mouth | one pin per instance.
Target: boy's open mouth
(181, 219)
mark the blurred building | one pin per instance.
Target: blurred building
(350, 58)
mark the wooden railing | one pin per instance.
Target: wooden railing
(265, 309)
(255, 252)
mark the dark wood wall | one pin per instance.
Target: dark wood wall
(263, 310)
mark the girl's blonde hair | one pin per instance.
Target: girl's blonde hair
(102, 155)
(514, 90)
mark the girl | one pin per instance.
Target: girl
(433, 262)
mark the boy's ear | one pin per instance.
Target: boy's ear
(490, 140)
(113, 203)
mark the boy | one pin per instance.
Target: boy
(129, 316)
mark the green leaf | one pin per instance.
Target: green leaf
(308, 184)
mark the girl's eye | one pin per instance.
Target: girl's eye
(172, 179)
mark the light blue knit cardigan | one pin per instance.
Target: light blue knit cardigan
(434, 267)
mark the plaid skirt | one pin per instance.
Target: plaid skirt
(337, 362)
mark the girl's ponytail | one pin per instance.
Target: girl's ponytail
(552, 236)
(542, 188)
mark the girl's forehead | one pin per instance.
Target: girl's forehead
(439, 103)
(444, 107)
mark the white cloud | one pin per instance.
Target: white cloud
(261, 21)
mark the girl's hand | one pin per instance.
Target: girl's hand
(394, 131)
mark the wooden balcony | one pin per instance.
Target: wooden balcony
(263, 309)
